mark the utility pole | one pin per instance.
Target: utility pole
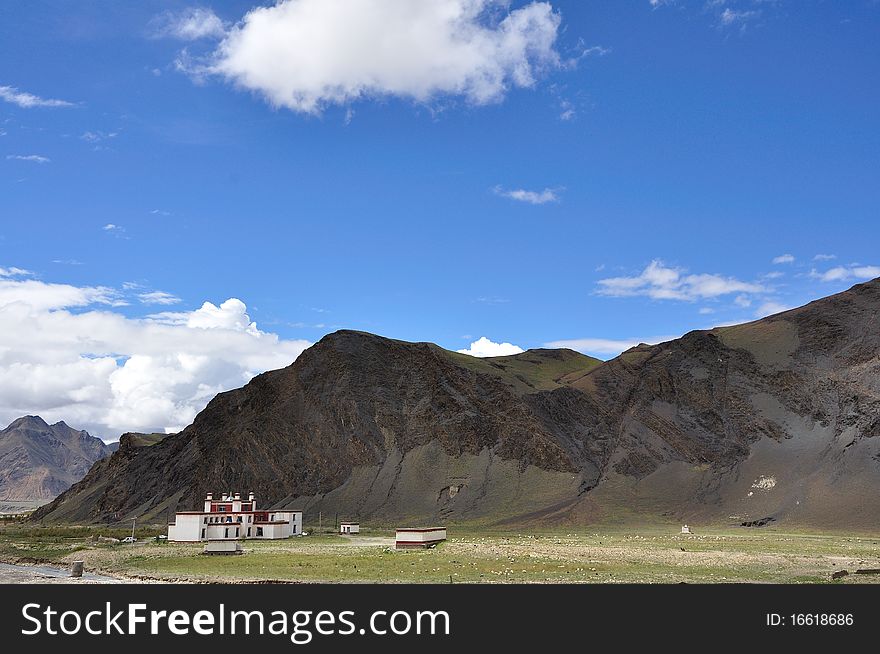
(320, 521)
(132, 528)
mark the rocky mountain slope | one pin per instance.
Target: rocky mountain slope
(770, 420)
(38, 461)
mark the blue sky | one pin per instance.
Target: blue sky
(637, 183)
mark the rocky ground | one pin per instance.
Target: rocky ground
(44, 574)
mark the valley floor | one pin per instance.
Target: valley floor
(617, 554)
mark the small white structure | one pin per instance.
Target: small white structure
(230, 518)
(223, 547)
(685, 529)
(406, 538)
(349, 528)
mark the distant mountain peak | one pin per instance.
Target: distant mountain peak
(33, 422)
(38, 461)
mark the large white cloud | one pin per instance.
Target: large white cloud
(305, 54)
(483, 347)
(67, 355)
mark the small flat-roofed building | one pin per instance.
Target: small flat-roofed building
(412, 538)
(231, 518)
(349, 528)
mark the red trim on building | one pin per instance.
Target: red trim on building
(235, 512)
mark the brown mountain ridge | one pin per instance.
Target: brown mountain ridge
(774, 419)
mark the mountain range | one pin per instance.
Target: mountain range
(773, 420)
(38, 460)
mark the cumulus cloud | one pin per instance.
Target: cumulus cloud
(529, 197)
(784, 258)
(29, 100)
(824, 257)
(33, 158)
(847, 273)
(603, 347)
(483, 347)
(307, 54)
(67, 355)
(190, 24)
(661, 282)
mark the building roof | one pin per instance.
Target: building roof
(224, 513)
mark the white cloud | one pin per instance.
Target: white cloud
(529, 197)
(158, 297)
(732, 16)
(98, 136)
(15, 272)
(824, 257)
(483, 347)
(567, 110)
(845, 273)
(190, 24)
(111, 227)
(742, 301)
(659, 3)
(66, 355)
(33, 158)
(306, 54)
(784, 258)
(661, 282)
(46, 297)
(769, 308)
(604, 347)
(29, 100)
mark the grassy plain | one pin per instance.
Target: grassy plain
(611, 554)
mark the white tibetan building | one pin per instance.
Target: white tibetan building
(231, 518)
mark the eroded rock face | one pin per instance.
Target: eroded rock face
(370, 427)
